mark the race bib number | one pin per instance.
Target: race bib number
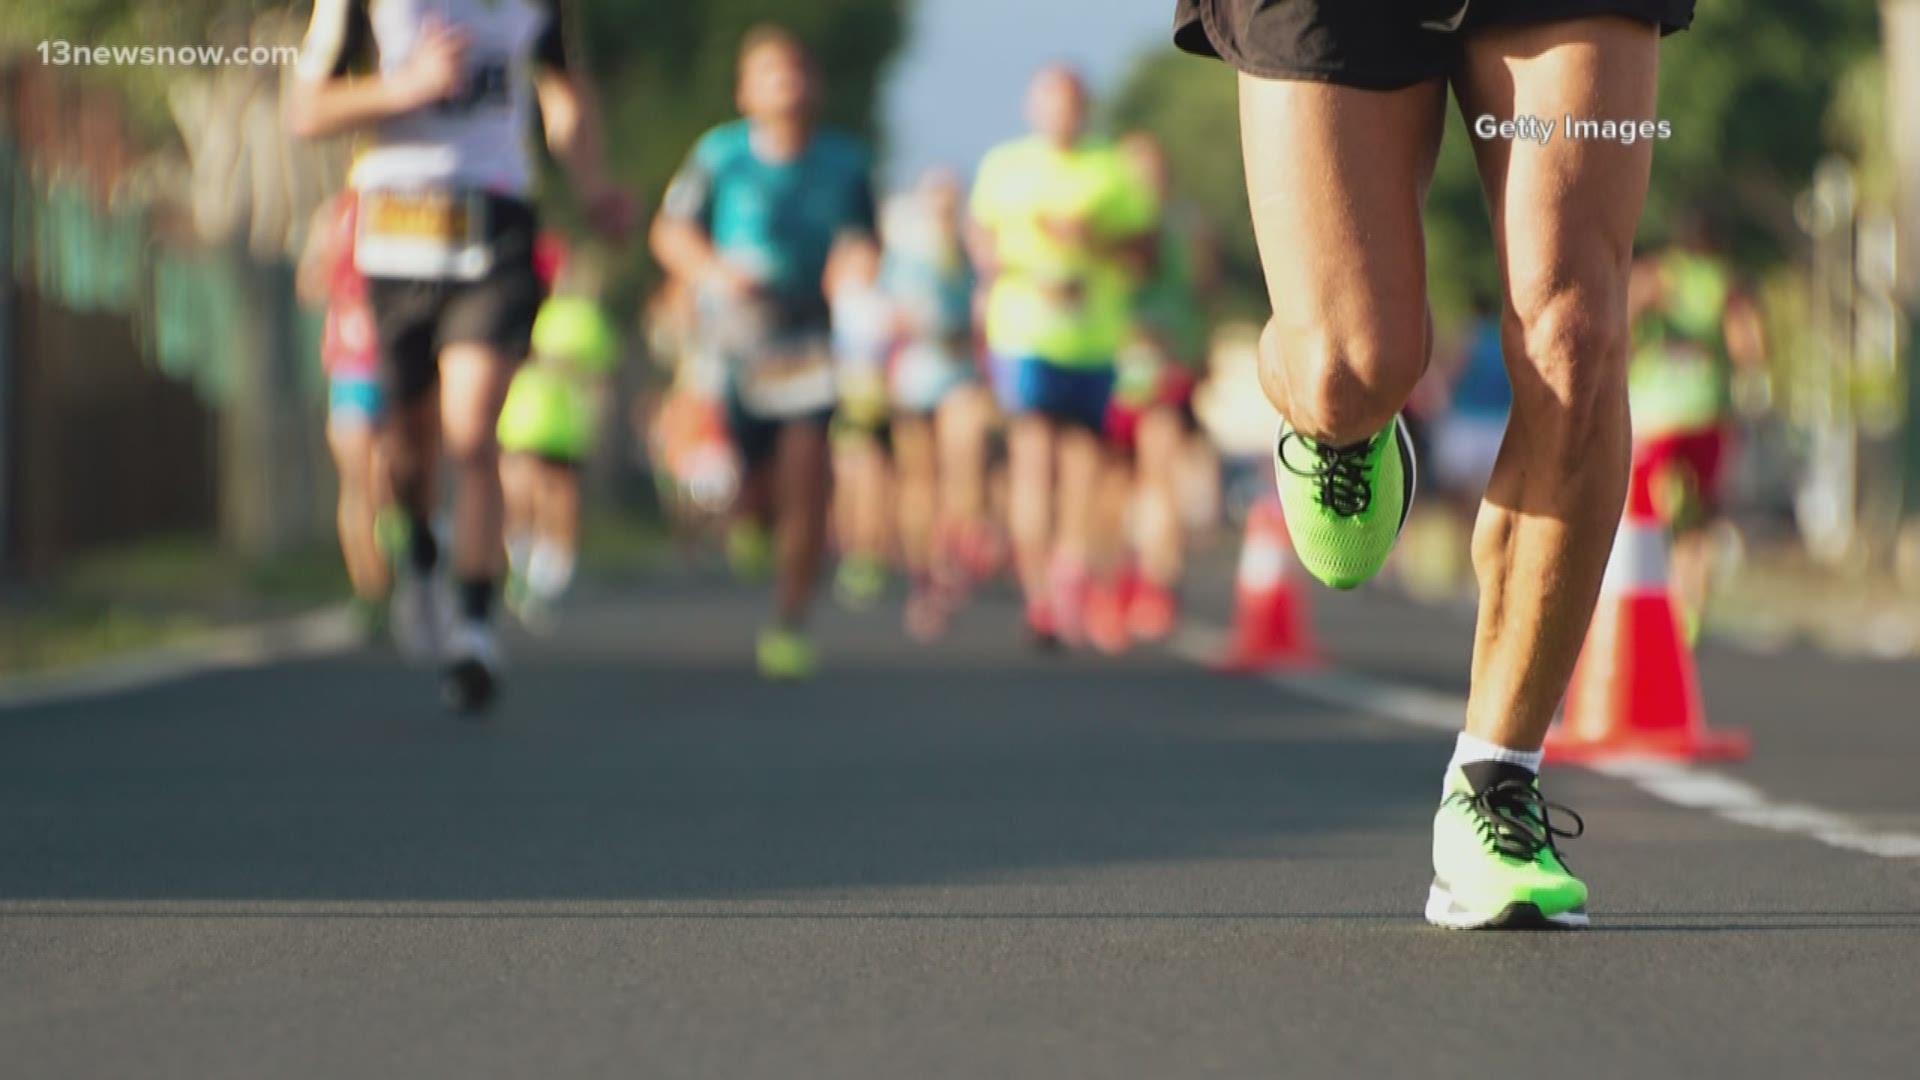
(429, 235)
(788, 380)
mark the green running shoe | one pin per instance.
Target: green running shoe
(391, 533)
(1345, 506)
(1495, 865)
(749, 552)
(785, 655)
(861, 583)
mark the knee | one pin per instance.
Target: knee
(1341, 387)
(1568, 344)
(472, 446)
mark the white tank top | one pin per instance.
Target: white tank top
(480, 138)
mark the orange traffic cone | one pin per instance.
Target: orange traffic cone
(1635, 692)
(1272, 624)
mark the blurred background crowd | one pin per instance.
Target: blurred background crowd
(163, 462)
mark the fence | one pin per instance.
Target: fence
(150, 381)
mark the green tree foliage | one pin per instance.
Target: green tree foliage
(1749, 90)
(665, 67)
(1192, 108)
(24, 24)
(1757, 93)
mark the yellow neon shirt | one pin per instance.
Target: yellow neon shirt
(1057, 300)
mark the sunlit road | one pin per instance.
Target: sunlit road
(971, 861)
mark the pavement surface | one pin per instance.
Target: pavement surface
(966, 861)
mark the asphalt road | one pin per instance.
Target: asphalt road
(962, 862)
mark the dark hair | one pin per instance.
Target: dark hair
(768, 35)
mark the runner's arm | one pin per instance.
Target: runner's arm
(682, 235)
(984, 207)
(570, 113)
(327, 99)
(859, 232)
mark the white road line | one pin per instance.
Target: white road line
(321, 633)
(1682, 785)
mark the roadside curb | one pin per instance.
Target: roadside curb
(325, 632)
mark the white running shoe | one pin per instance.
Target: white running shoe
(472, 676)
(419, 614)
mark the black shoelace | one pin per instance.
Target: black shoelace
(1517, 822)
(1339, 471)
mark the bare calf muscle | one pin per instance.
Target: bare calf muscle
(1564, 216)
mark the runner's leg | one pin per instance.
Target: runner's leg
(520, 492)
(800, 489)
(473, 381)
(861, 489)
(1564, 215)
(560, 505)
(411, 445)
(1031, 445)
(1158, 449)
(352, 443)
(917, 477)
(964, 424)
(1081, 540)
(1337, 177)
(556, 545)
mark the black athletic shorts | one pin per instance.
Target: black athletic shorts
(758, 438)
(1375, 44)
(415, 319)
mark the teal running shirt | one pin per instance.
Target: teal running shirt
(777, 219)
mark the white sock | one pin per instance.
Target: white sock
(1469, 749)
(549, 570)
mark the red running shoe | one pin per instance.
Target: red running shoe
(1041, 627)
(928, 613)
(1153, 611)
(1070, 587)
(1106, 619)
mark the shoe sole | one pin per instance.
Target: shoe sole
(469, 687)
(1445, 911)
(1410, 464)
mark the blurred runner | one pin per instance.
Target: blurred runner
(942, 413)
(1058, 220)
(1472, 419)
(1458, 415)
(355, 404)
(1693, 326)
(1151, 423)
(753, 220)
(684, 430)
(445, 235)
(548, 427)
(1342, 106)
(865, 332)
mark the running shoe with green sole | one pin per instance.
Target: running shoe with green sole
(1345, 506)
(1495, 864)
(391, 532)
(861, 583)
(749, 552)
(785, 655)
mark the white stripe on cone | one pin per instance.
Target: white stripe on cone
(1263, 564)
(1638, 562)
